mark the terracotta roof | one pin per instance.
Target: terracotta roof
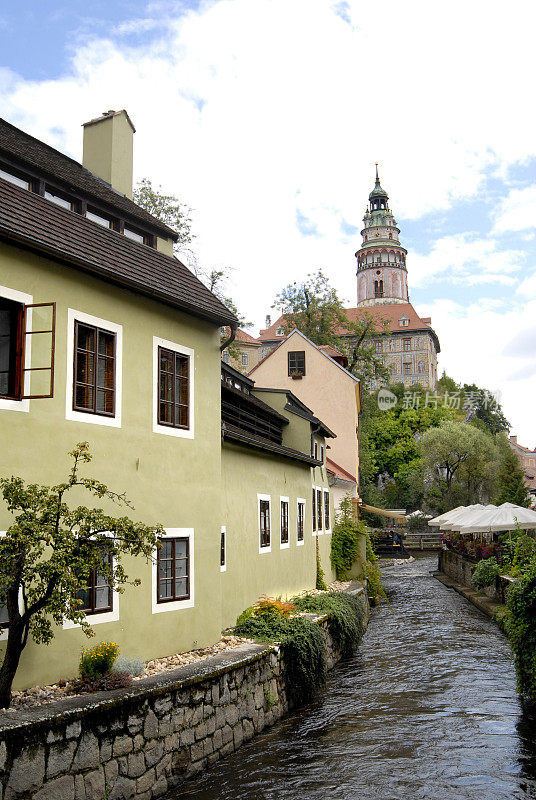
(46, 161)
(35, 223)
(389, 314)
(242, 336)
(339, 471)
(331, 351)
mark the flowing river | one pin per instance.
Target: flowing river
(426, 710)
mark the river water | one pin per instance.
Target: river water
(425, 710)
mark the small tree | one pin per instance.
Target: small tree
(48, 553)
(167, 208)
(510, 478)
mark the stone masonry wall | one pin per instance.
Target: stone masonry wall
(143, 741)
(460, 569)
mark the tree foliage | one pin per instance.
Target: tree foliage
(167, 208)
(510, 484)
(49, 551)
(348, 533)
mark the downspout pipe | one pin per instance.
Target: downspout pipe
(232, 337)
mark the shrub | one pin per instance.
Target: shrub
(373, 573)
(266, 605)
(346, 617)
(132, 666)
(486, 572)
(267, 627)
(520, 625)
(345, 539)
(97, 661)
(304, 658)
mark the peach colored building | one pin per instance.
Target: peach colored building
(328, 389)
(244, 353)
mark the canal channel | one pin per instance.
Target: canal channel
(426, 710)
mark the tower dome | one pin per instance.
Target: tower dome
(381, 259)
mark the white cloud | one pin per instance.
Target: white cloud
(494, 349)
(252, 111)
(466, 258)
(528, 287)
(517, 211)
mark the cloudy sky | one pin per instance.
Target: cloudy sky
(266, 117)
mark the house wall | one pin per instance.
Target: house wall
(325, 388)
(173, 481)
(251, 350)
(247, 472)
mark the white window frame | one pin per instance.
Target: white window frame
(321, 490)
(298, 501)
(259, 498)
(328, 493)
(284, 545)
(167, 430)
(174, 605)
(83, 416)
(245, 356)
(99, 618)
(223, 567)
(24, 299)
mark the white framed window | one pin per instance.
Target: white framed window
(112, 599)
(319, 510)
(300, 521)
(9, 176)
(327, 512)
(244, 359)
(284, 531)
(7, 404)
(173, 408)
(180, 542)
(78, 321)
(223, 549)
(264, 521)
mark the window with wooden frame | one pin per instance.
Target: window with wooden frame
(173, 389)
(319, 508)
(97, 595)
(296, 362)
(326, 511)
(173, 569)
(407, 368)
(94, 384)
(300, 521)
(314, 509)
(17, 380)
(244, 359)
(223, 549)
(16, 180)
(407, 344)
(284, 522)
(264, 523)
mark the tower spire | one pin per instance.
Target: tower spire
(377, 178)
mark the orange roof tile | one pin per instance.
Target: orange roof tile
(338, 471)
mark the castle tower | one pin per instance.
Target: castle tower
(381, 261)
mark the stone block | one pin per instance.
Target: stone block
(231, 715)
(213, 757)
(238, 735)
(60, 758)
(146, 782)
(73, 730)
(150, 726)
(258, 697)
(134, 724)
(111, 771)
(136, 765)
(220, 717)
(249, 730)
(138, 742)
(153, 753)
(87, 753)
(122, 764)
(177, 719)
(164, 726)
(197, 696)
(179, 761)
(28, 771)
(124, 789)
(200, 731)
(123, 745)
(208, 747)
(217, 740)
(79, 788)
(94, 784)
(227, 749)
(160, 786)
(215, 694)
(208, 711)
(164, 766)
(55, 735)
(197, 716)
(171, 742)
(58, 789)
(211, 725)
(162, 705)
(250, 706)
(105, 750)
(187, 737)
(196, 753)
(3, 756)
(227, 734)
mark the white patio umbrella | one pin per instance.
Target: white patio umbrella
(504, 518)
(461, 516)
(437, 521)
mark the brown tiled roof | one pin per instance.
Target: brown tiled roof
(46, 161)
(32, 221)
(242, 336)
(330, 351)
(384, 314)
(233, 433)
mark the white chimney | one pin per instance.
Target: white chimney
(108, 149)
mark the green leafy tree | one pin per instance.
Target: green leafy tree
(483, 409)
(510, 484)
(48, 553)
(167, 208)
(315, 308)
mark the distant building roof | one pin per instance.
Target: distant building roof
(243, 336)
(339, 471)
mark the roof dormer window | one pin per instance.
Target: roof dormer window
(136, 236)
(99, 219)
(9, 176)
(403, 322)
(59, 200)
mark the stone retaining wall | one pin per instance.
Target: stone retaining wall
(143, 741)
(460, 569)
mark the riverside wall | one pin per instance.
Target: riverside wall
(460, 569)
(144, 741)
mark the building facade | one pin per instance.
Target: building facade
(128, 359)
(527, 458)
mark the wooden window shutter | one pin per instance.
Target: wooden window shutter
(43, 339)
